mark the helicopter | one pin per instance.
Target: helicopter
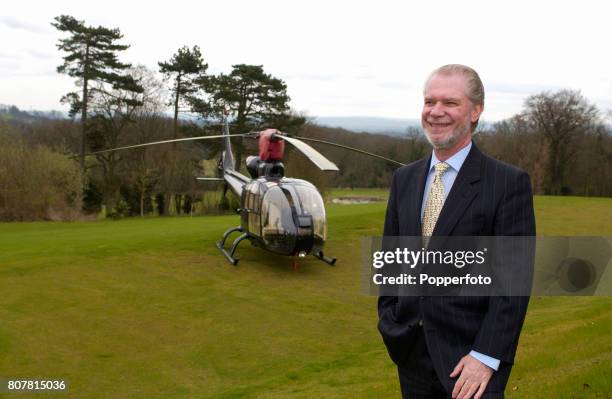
(280, 214)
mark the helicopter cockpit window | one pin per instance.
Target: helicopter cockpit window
(311, 204)
(278, 226)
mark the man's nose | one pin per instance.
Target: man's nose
(437, 110)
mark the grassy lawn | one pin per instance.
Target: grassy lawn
(147, 308)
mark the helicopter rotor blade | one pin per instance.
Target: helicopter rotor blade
(218, 136)
(393, 161)
(315, 156)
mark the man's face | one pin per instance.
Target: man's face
(447, 111)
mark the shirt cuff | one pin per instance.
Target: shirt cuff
(487, 360)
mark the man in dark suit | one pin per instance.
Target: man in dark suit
(459, 347)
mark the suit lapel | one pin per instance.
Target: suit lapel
(417, 198)
(462, 193)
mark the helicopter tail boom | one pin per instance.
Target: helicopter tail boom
(227, 158)
(235, 181)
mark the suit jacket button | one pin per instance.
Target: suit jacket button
(420, 323)
(421, 298)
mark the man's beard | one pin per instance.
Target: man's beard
(452, 138)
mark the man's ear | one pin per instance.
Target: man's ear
(476, 112)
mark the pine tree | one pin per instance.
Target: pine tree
(256, 100)
(91, 57)
(185, 67)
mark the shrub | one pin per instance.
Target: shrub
(37, 183)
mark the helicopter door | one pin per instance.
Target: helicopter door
(252, 212)
(255, 211)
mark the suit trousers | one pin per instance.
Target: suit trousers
(418, 378)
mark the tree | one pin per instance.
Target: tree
(255, 99)
(561, 118)
(515, 141)
(146, 163)
(185, 66)
(92, 57)
(592, 172)
(114, 109)
(35, 182)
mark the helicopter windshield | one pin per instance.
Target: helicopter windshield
(293, 219)
(278, 226)
(311, 203)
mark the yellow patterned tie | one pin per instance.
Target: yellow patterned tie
(435, 201)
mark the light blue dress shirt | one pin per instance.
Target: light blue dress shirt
(448, 178)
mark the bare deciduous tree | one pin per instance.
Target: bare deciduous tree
(561, 118)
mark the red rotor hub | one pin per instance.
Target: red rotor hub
(270, 148)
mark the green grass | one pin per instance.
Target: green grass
(147, 308)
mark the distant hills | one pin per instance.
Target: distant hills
(357, 124)
(8, 112)
(390, 126)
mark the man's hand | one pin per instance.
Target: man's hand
(473, 378)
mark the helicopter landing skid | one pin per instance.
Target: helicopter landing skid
(330, 261)
(229, 255)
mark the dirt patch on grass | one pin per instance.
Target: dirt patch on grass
(356, 200)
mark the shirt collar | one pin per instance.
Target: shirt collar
(455, 161)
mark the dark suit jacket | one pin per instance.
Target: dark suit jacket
(488, 198)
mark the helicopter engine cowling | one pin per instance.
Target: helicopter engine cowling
(258, 168)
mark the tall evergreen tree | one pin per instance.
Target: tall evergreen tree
(253, 96)
(185, 67)
(91, 57)
(256, 100)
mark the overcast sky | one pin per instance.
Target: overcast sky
(338, 58)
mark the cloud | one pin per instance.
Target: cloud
(10, 63)
(14, 23)
(351, 103)
(520, 89)
(397, 85)
(27, 62)
(314, 76)
(40, 73)
(605, 106)
(26, 55)
(41, 55)
(18, 68)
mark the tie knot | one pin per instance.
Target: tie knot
(441, 168)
